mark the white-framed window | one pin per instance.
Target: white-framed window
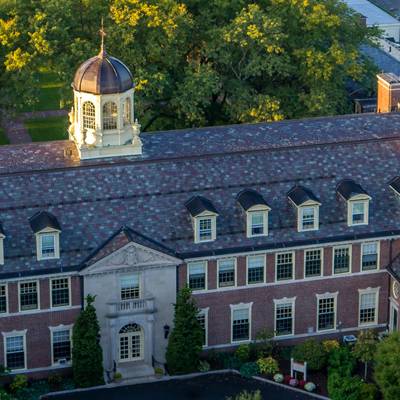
(60, 289)
(369, 256)
(130, 287)
(205, 228)
(15, 350)
(284, 316)
(326, 311)
(226, 272)
(284, 266)
(241, 322)
(29, 296)
(358, 212)
(3, 299)
(110, 116)
(368, 306)
(256, 269)
(308, 218)
(197, 275)
(313, 261)
(257, 223)
(88, 115)
(48, 245)
(61, 344)
(202, 317)
(342, 259)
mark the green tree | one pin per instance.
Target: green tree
(365, 347)
(387, 371)
(87, 355)
(186, 338)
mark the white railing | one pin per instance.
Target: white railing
(131, 306)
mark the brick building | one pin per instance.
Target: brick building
(289, 226)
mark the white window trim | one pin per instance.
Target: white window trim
(327, 295)
(241, 306)
(358, 199)
(218, 264)
(293, 266)
(2, 249)
(38, 295)
(60, 328)
(393, 307)
(206, 274)
(321, 250)
(56, 235)
(204, 311)
(141, 291)
(300, 210)
(349, 246)
(7, 302)
(378, 255)
(369, 290)
(285, 300)
(247, 269)
(257, 209)
(51, 292)
(12, 334)
(196, 225)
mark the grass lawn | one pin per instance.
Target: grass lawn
(44, 129)
(49, 96)
(3, 137)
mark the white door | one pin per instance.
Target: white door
(131, 343)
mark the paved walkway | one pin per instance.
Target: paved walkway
(15, 129)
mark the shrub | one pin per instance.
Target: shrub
(278, 378)
(204, 366)
(264, 345)
(118, 376)
(243, 353)
(293, 382)
(342, 361)
(245, 395)
(287, 379)
(330, 345)
(310, 386)
(232, 362)
(369, 391)
(312, 352)
(302, 382)
(19, 382)
(387, 362)
(348, 388)
(54, 381)
(159, 371)
(4, 395)
(249, 369)
(268, 365)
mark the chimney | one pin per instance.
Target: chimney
(388, 93)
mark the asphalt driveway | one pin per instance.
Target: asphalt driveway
(206, 387)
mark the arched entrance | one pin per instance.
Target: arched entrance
(131, 343)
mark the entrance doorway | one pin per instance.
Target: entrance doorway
(131, 343)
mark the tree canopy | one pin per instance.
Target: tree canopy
(194, 62)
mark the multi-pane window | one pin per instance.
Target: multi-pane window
(226, 272)
(110, 114)
(197, 275)
(341, 260)
(255, 269)
(257, 223)
(130, 287)
(358, 212)
(3, 299)
(88, 115)
(61, 346)
(15, 352)
(308, 216)
(284, 319)
(312, 263)
(326, 313)
(204, 229)
(369, 256)
(60, 292)
(368, 312)
(240, 324)
(127, 111)
(28, 296)
(47, 245)
(284, 266)
(202, 318)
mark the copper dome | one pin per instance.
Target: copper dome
(103, 74)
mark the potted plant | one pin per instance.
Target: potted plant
(117, 377)
(159, 372)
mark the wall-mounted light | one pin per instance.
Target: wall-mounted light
(166, 331)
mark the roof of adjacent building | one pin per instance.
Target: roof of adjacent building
(93, 199)
(375, 15)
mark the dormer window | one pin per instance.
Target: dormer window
(256, 209)
(307, 206)
(357, 202)
(204, 219)
(2, 236)
(47, 231)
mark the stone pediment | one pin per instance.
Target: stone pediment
(130, 256)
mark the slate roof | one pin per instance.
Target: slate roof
(93, 199)
(347, 188)
(248, 198)
(42, 220)
(395, 184)
(299, 195)
(198, 204)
